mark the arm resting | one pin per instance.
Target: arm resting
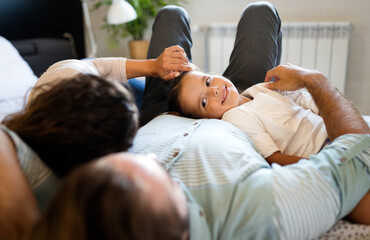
(18, 205)
(339, 115)
(282, 159)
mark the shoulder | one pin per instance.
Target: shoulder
(8, 156)
(7, 147)
(35, 171)
(22, 150)
(63, 70)
(68, 68)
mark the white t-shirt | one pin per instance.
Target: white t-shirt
(280, 121)
(111, 68)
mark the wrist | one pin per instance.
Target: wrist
(150, 63)
(313, 79)
(139, 68)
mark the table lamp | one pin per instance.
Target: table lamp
(119, 12)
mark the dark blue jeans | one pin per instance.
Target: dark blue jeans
(257, 49)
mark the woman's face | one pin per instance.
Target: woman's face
(207, 96)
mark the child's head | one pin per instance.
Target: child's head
(198, 95)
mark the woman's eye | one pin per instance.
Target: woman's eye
(204, 102)
(208, 82)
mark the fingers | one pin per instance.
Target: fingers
(176, 48)
(181, 67)
(174, 60)
(176, 64)
(272, 85)
(176, 52)
(171, 62)
(177, 55)
(271, 75)
(174, 56)
(272, 80)
(170, 75)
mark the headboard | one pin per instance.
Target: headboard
(43, 31)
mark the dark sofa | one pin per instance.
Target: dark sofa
(43, 31)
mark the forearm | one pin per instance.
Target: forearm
(339, 115)
(282, 159)
(122, 69)
(323, 188)
(139, 68)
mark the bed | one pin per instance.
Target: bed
(35, 34)
(20, 77)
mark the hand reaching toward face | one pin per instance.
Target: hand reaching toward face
(171, 63)
(289, 77)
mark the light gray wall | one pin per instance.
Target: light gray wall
(355, 11)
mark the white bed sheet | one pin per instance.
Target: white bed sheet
(9, 106)
(15, 81)
(16, 75)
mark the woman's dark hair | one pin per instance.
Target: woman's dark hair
(173, 100)
(77, 120)
(97, 201)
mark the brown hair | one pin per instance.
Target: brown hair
(174, 96)
(77, 120)
(173, 99)
(97, 201)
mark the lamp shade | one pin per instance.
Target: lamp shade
(120, 12)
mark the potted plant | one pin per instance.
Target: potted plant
(145, 10)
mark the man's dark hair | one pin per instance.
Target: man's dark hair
(97, 201)
(77, 120)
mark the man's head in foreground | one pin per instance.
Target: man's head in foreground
(121, 196)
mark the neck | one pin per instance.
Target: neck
(243, 99)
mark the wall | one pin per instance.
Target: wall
(356, 11)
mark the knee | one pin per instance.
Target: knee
(172, 12)
(259, 9)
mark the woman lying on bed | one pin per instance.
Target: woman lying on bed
(74, 115)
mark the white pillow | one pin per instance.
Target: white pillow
(16, 76)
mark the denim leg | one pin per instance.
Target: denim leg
(257, 47)
(171, 27)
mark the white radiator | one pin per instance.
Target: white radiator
(316, 45)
